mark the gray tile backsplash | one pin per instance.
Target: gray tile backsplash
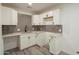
(54, 28)
(23, 21)
(49, 28)
(6, 29)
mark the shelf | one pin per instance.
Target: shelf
(50, 18)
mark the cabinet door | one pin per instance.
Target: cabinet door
(56, 17)
(52, 47)
(41, 19)
(41, 39)
(9, 16)
(14, 18)
(32, 39)
(35, 20)
(50, 13)
(49, 23)
(58, 44)
(42, 22)
(24, 41)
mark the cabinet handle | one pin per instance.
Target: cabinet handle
(29, 37)
(52, 37)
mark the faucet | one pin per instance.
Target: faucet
(25, 29)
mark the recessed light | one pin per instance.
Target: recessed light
(30, 4)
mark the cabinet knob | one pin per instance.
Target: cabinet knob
(29, 37)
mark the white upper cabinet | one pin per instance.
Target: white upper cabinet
(46, 21)
(36, 20)
(56, 16)
(47, 18)
(50, 13)
(41, 18)
(9, 16)
(53, 17)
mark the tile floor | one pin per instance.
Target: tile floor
(34, 50)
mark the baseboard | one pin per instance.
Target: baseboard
(31, 46)
(51, 53)
(63, 53)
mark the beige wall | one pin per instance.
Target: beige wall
(24, 20)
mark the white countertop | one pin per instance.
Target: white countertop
(19, 33)
(12, 34)
(34, 32)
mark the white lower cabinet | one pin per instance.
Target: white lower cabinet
(26, 40)
(40, 39)
(30, 39)
(52, 46)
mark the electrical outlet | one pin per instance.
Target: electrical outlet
(77, 52)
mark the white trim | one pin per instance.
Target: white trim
(21, 12)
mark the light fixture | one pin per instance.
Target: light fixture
(30, 4)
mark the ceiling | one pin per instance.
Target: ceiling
(36, 7)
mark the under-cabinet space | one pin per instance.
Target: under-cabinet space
(8, 29)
